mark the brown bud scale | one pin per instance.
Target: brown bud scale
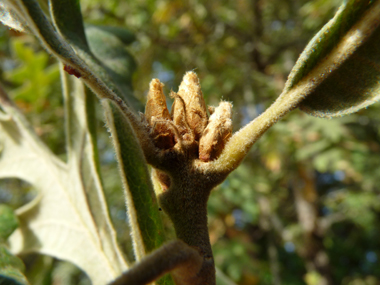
(217, 132)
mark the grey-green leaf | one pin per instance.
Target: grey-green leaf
(109, 59)
(142, 203)
(113, 55)
(68, 19)
(83, 161)
(337, 74)
(342, 62)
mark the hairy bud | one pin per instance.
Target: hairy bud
(179, 117)
(188, 126)
(217, 132)
(191, 94)
(157, 115)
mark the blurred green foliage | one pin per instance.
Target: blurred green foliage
(11, 267)
(304, 206)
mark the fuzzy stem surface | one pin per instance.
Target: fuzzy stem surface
(186, 204)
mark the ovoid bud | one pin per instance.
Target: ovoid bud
(217, 132)
(195, 107)
(157, 115)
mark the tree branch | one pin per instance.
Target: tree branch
(177, 257)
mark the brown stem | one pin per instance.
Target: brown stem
(175, 257)
(186, 204)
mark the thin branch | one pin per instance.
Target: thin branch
(177, 257)
(241, 142)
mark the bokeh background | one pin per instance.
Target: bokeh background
(303, 208)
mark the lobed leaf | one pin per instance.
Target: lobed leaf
(63, 220)
(83, 163)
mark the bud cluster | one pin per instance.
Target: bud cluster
(188, 124)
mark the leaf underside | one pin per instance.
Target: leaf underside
(355, 84)
(63, 213)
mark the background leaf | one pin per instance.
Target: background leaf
(8, 222)
(105, 54)
(110, 50)
(11, 267)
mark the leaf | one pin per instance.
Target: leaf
(11, 267)
(68, 19)
(142, 204)
(8, 222)
(145, 221)
(40, 26)
(9, 18)
(337, 74)
(342, 61)
(134, 169)
(65, 220)
(124, 35)
(104, 52)
(83, 160)
(111, 52)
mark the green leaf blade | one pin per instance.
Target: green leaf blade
(8, 222)
(124, 35)
(11, 267)
(68, 18)
(141, 200)
(102, 48)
